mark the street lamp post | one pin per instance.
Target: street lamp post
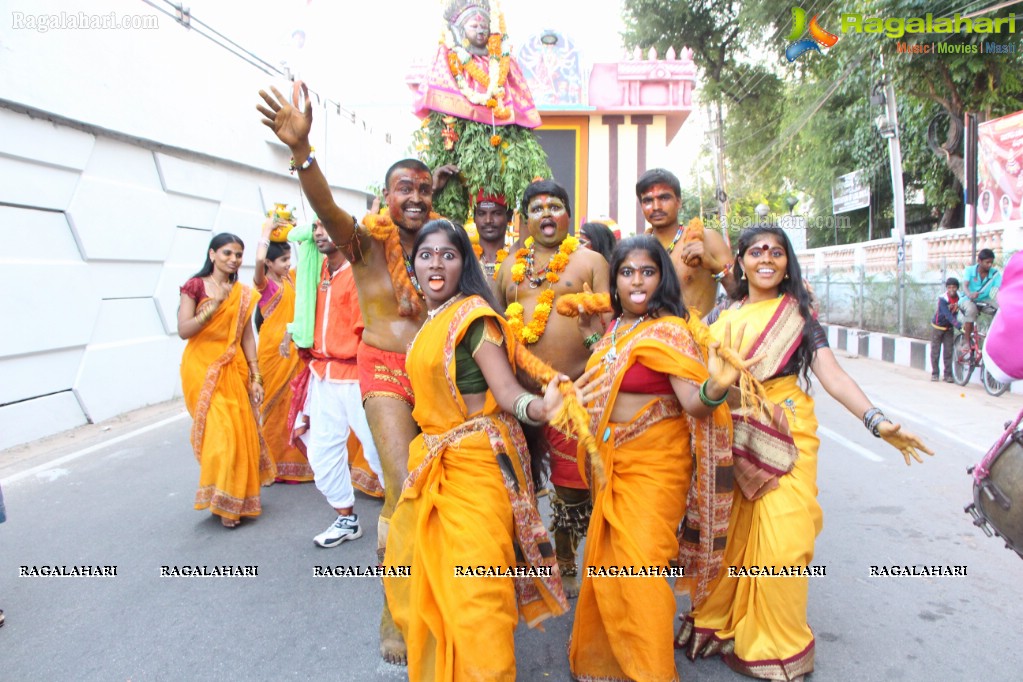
(888, 127)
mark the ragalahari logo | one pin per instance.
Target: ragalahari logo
(818, 36)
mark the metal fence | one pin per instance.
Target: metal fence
(870, 301)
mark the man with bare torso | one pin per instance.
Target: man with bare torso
(700, 265)
(551, 264)
(389, 298)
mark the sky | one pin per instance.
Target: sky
(358, 52)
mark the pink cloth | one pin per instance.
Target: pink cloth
(439, 92)
(269, 289)
(1002, 357)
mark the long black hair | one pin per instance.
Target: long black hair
(602, 239)
(275, 251)
(472, 280)
(667, 297)
(791, 285)
(216, 243)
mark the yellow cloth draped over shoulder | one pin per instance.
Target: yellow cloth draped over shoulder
(277, 373)
(766, 617)
(624, 627)
(468, 502)
(226, 439)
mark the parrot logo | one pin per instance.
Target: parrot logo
(799, 45)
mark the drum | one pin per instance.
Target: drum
(997, 507)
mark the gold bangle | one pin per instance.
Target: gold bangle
(256, 378)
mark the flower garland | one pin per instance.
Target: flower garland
(530, 333)
(406, 291)
(460, 63)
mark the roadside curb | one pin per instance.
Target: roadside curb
(898, 350)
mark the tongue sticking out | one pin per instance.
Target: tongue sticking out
(637, 296)
(435, 284)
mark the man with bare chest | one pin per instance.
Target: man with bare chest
(389, 298)
(549, 265)
(700, 265)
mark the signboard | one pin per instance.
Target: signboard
(850, 192)
(999, 165)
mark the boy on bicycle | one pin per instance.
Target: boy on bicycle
(941, 329)
(980, 284)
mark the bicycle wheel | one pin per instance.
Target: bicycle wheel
(994, 386)
(962, 360)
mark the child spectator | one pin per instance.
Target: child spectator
(941, 333)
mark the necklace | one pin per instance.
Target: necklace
(678, 235)
(612, 353)
(436, 311)
(325, 283)
(412, 273)
(515, 313)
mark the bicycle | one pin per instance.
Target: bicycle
(965, 358)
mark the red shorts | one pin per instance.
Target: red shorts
(382, 375)
(563, 449)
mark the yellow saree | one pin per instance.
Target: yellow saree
(467, 503)
(278, 372)
(623, 627)
(232, 457)
(765, 618)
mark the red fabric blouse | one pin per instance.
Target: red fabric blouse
(641, 379)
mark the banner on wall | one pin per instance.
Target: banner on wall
(1000, 162)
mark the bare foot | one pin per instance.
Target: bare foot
(392, 645)
(571, 585)
(229, 523)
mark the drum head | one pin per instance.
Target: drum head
(999, 497)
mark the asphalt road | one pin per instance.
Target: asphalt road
(111, 496)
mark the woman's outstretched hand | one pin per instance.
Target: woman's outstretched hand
(289, 122)
(909, 444)
(723, 373)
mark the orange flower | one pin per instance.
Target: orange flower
(494, 44)
(495, 140)
(477, 249)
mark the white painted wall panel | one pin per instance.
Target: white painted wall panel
(185, 211)
(27, 376)
(121, 279)
(31, 184)
(118, 221)
(44, 142)
(192, 177)
(117, 377)
(58, 308)
(20, 422)
(125, 319)
(33, 235)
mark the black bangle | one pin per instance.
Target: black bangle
(590, 340)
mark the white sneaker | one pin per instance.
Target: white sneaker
(344, 528)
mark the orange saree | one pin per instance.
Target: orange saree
(232, 457)
(277, 373)
(468, 502)
(623, 627)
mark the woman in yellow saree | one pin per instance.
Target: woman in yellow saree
(759, 623)
(221, 383)
(662, 423)
(279, 361)
(468, 504)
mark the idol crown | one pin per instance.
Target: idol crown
(457, 10)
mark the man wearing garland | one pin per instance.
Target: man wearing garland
(549, 265)
(491, 217)
(701, 262)
(390, 299)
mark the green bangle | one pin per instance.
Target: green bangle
(707, 401)
(591, 339)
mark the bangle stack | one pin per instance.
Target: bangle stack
(204, 317)
(305, 165)
(708, 401)
(724, 272)
(522, 409)
(590, 340)
(873, 418)
(256, 378)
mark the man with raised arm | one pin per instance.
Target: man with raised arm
(390, 299)
(700, 264)
(549, 265)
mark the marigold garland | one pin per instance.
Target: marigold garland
(530, 333)
(382, 229)
(592, 304)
